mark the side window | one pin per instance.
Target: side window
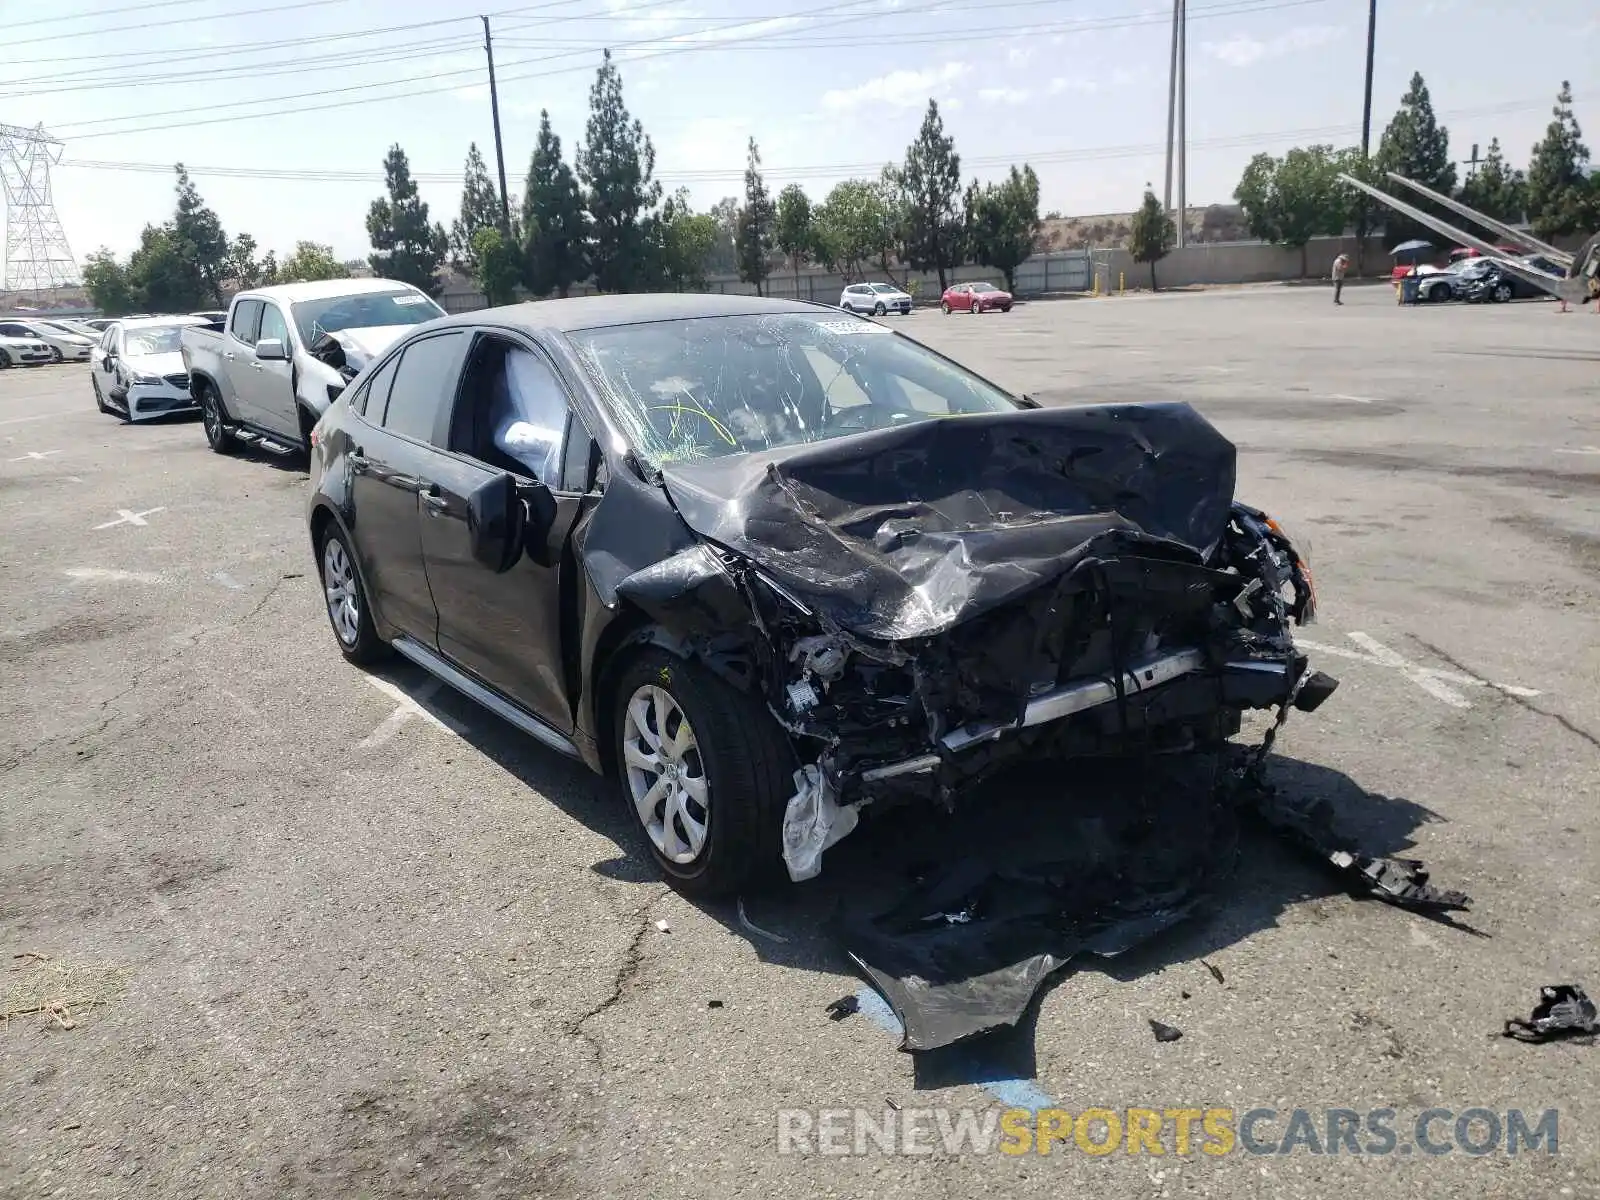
(424, 385)
(108, 339)
(13, 331)
(374, 394)
(272, 325)
(512, 412)
(246, 320)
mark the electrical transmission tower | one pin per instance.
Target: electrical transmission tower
(37, 255)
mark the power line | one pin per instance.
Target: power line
(248, 12)
(257, 46)
(264, 114)
(825, 170)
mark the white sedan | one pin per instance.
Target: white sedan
(138, 369)
(27, 352)
(64, 345)
(875, 298)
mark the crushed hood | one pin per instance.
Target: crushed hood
(157, 364)
(361, 346)
(905, 532)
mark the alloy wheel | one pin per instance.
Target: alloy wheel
(666, 776)
(339, 582)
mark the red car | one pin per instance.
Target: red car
(974, 298)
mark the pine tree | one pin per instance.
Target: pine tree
(1559, 188)
(1417, 146)
(616, 165)
(1153, 234)
(931, 179)
(197, 235)
(1496, 190)
(1003, 222)
(480, 209)
(753, 242)
(406, 245)
(554, 225)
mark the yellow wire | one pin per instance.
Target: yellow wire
(677, 409)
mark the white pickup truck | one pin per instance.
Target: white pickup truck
(285, 353)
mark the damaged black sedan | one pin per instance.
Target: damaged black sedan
(771, 564)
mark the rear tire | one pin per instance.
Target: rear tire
(735, 757)
(5, 361)
(879, 310)
(217, 435)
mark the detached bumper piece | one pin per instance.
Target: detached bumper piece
(1563, 1011)
(1400, 881)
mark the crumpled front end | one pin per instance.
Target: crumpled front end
(1140, 648)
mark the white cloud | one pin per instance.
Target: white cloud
(655, 22)
(1018, 55)
(1062, 84)
(740, 30)
(1242, 50)
(1003, 95)
(898, 89)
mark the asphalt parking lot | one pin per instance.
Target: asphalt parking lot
(370, 942)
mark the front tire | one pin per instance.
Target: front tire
(1502, 293)
(5, 361)
(55, 354)
(706, 772)
(348, 610)
(944, 306)
(99, 397)
(217, 435)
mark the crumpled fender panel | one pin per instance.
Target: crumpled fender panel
(905, 532)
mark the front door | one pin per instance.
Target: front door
(512, 416)
(392, 452)
(268, 386)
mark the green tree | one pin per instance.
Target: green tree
(241, 264)
(406, 246)
(1153, 234)
(687, 240)
(161, 273)
(724, 258)
(554, 226)
(931, 178)
(1495, 189)
(106, 281)
(1360, 210)
(753, 241)
(850, 226)
(616, 165)
(1417, 146)
(310, 262)
(269, 269)
(792, 232)
(1291, 200)
(498, 264)
(197, 233)
(480, 208)
(1560, 192)
(1003, 222)
(894, 236)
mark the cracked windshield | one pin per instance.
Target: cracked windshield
(711, 386)
(367, 310)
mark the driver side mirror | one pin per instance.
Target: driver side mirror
(108, 361)
(270, 350)
(504, 518)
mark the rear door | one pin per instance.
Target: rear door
(392, 451)
(237, 348)
(512, 415)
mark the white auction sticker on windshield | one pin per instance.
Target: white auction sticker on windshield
(854, 327)
(410, 299)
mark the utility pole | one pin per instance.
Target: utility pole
(1183, 123)
(494, 107)
(1172, 106)
(1472, 163)
(1366, 107)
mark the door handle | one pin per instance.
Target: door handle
(255, 366)
(438, 504)
(229, 355)
(357, 460)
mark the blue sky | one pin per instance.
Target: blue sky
(829, 88)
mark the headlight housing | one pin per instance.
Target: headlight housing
(138, 377)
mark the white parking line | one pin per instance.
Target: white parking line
(1559, 450)
(111, 575)
(408, 706)
(1352, 399)
(36, 455)
(1432, 680)
(131, 518)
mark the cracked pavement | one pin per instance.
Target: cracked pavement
(429, 965)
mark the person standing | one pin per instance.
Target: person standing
(1341, 264)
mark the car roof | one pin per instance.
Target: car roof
(323, 289)
(597, 312)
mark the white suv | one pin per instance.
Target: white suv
(875, 298)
